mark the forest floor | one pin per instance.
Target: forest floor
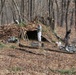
(49, 60)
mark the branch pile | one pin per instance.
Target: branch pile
(15, 30)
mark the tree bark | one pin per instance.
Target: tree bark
(2, 5)
(62, 14)
(75, 15)
(66, 20)
(22, 10)
(71, 19)
(57, 9)
(17, 9)
(30, 9)
(1, 11)
(53, 15)
(66, 16)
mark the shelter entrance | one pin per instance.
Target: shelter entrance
(32, 35)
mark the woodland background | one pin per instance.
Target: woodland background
(49, 12)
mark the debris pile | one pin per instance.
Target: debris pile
(8, 30)
(68, 48)
(16, 30)
(13, 40)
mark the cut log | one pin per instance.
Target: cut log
(47, 38)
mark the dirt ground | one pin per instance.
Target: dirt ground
(49, 60)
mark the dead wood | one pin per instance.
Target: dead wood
(16, 30)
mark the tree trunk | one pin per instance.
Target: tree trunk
(66, 16)
(17, 9)
(22, 10)
(66, 20)
(49, 7)
(2, 5)
(53, 15)
(75, 15)
(30, 9)
(13, 11)
(62, 14)
(71, 19)
(1, 11)
(57, 9)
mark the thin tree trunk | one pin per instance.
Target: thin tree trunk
(13, 11)
(75, 15)
(57, 7)
(1, 11)
(66, 20)
(18, 10)
(49, 7)
(62, 14)
(6, 14)
(71, 19)
(49, 18)
(2, 5)
(33, 7)
(53, 15)
(30, 9)
(1, 18)
(22, 10)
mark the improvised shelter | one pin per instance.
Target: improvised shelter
(30, 29)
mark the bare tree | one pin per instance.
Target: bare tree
(22, 10)
(1, 11)
(75, 14)
(17, 9)
(66, 16)
(6, 13)
(57, 9)
(52, 14)
(66, 20)
(49, 1)
(62, 13)
(30, 9)
(71, 19)
(2, 5)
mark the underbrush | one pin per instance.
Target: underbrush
(15, 69)
(65, 71)
(2, 45)
(13, 46)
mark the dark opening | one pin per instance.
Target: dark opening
(32, 35)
